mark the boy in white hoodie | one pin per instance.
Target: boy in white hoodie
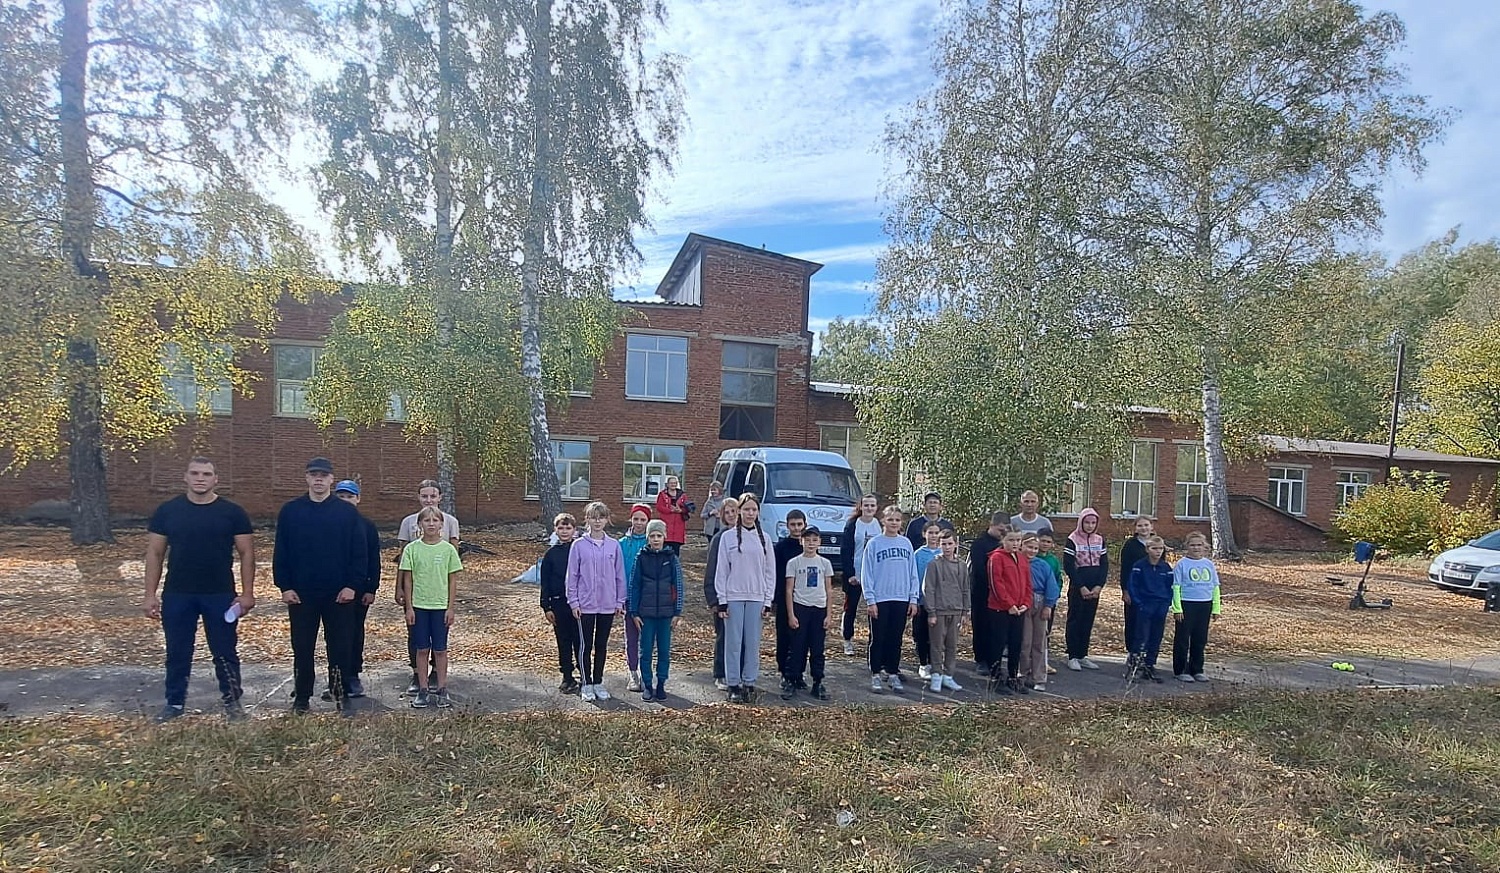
(888, 572)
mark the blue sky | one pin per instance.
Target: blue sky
(787, 107)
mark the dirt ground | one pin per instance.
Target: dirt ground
(72, 607)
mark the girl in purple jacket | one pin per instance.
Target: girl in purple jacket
(596, 593)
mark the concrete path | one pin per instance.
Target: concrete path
(488, 688)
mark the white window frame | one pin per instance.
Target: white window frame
(567, 472)
(655, 356)
(297, 385)
(180, 382)
(1122, 487)
(839, 438)
(1285, 483)
(1196, 487)
(660, 468)
(1072, 492)
(771, 372)
(1349, 491)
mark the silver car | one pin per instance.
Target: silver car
(1470, 568)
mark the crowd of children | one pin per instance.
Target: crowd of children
(894, 572)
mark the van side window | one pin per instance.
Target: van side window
(755, 482)
(736, 480)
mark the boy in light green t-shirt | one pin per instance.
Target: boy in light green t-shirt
(428, 585)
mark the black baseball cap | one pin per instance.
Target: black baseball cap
(320, 465)
(811, 531)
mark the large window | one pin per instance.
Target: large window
(1192, 481)
(647, 467)
(1351, 484)
(571, 460)
(1071, 488)
(181, 382)
(1288, 489)
(655, 367)
(1133, 489)
(747, 397)
(295, 368)
(849, 441)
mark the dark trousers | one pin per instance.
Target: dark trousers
(1080, 626)
(1130, 618)
(718, 644)
(1007, 636)
(979, 616)
(337, 621)
(565, 629)
(851, 607)
(921, 637)
(594, 641)
(1191, 636)
(807, 642)
(783, 639)
(179, 624)
(357, 639)
(1146, 631)
(887, 629)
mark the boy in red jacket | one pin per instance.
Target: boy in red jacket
(1010, 597)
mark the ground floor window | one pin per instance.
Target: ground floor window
(1288, 489)
(571, 459)
(647, 466)
(1351, 485)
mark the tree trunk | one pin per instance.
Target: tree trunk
(442, 269)
(88, 495)
(1218, 466)
(533, 253)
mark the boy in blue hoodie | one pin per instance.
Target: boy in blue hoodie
(631, 545)
(653, 603)
(1045, 591)
(1150, 587)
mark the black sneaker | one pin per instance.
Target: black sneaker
(167, 713)
(1149, 672)
(1019, 686)
(569, 686)
(235, 712)
(661, 690)
(800, 683)
(819, 691)
(737, 694)
(422, 700)
(300, 707)
(1000, 687)
(412, 687)
(442, 700)
(788, 689)
(355, 688)
(326, 696)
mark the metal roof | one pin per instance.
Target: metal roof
(1367, 450)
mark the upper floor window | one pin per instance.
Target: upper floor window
(655, 367)
(184, 394)
(1133, 489)
(849, 441)
(1287, 489)
(295, 368)
(747, 399)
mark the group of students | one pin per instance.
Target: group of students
(900, 573)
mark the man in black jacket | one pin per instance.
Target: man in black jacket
(348, 491)
(979, 585)
(319, 565)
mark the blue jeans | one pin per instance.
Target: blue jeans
(1146, 629)
(656, 637)
(179, 624)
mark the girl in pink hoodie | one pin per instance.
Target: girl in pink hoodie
(1086, 564)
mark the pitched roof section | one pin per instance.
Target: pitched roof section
(1367, 450)
(673, 288)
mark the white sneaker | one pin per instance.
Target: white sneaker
(600, 693)
(849, 647)
(1200, 677)
(951, 685)
(721, 685)
(876, 685)
(1039, 686)
(925, 671)
(587, 693)
(1183, 677)
(937, 683)
(1087, 664)
(634, 684)
(1074, 665)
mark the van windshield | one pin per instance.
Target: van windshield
(811, 483)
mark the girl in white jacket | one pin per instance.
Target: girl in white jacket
(745, 576)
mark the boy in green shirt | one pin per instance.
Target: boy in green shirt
(428, 585)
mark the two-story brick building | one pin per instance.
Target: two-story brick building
(720, 359)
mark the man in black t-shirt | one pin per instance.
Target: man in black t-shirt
(198, 534)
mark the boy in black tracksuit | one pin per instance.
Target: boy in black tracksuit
(979, 585)
(554, 578)
(348, 491)
(787, 548)
(1132, 551)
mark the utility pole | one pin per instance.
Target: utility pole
(1390, 452)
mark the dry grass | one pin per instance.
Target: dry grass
(73, 606)
(1334, 782)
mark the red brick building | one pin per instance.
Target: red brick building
(720, 360)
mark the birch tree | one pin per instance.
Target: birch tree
(133, 220)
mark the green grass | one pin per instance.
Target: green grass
(1329, 782)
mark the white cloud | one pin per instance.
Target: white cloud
(854, 253)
